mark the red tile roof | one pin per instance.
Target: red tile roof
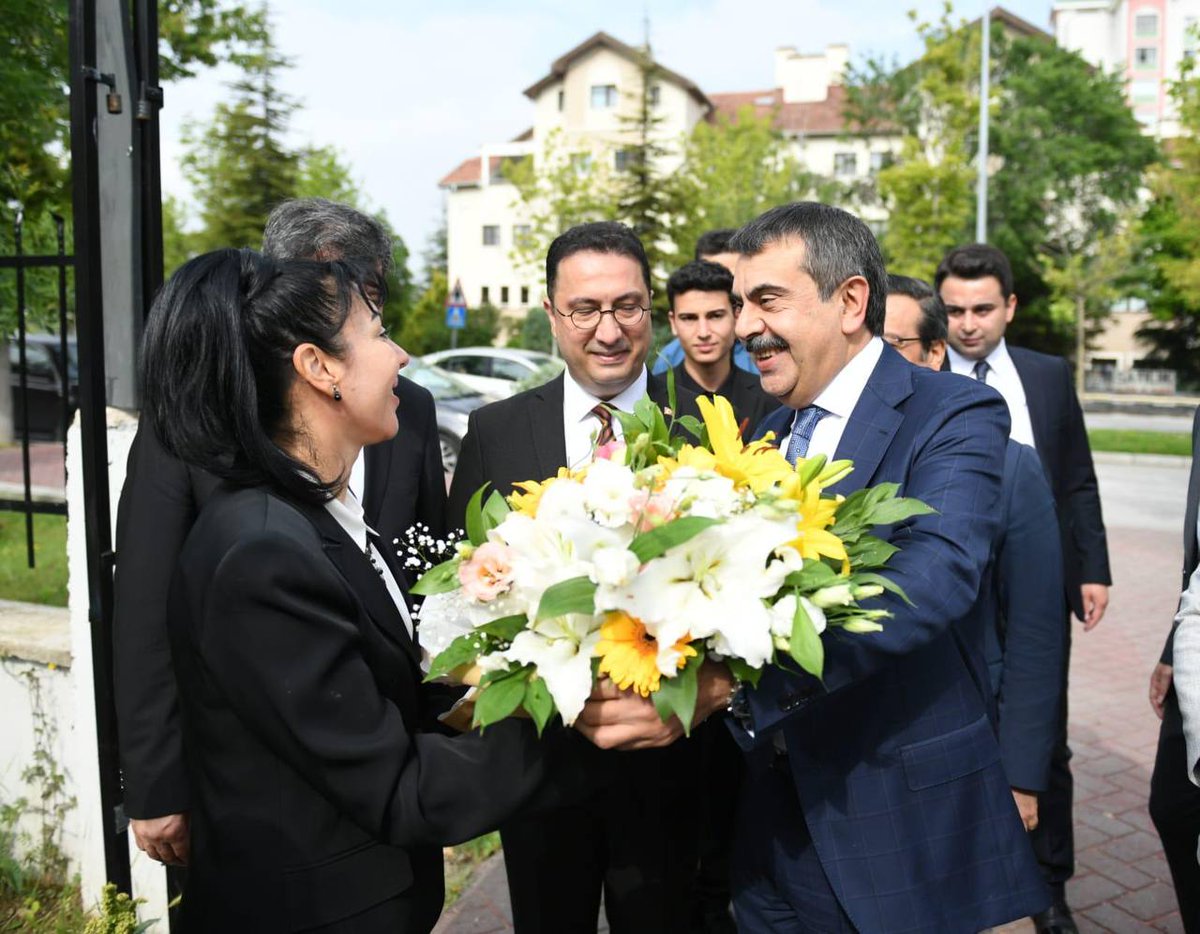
(817, 118)
(467, 173)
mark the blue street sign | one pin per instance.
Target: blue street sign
(456, 317)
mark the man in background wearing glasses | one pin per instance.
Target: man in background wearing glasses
(633, 838)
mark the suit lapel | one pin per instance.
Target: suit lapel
(1035, 399)
(874, 421)
(546, 426)
(364, 580)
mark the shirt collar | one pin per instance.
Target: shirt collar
(999, 360)
(350, 516)
(578, 402)
(841, 395)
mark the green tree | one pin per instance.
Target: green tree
(1170, 241)
(733, 170)
(424, 329)
(240, 166)
(535, 331)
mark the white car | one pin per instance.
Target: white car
(498, 371)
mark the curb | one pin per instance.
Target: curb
(1142, 460)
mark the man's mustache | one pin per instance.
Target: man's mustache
(765, 343)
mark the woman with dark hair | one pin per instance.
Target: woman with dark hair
(321, 803)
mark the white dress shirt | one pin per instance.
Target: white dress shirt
(581, 426)
(1002, 377)
(349, 515)
(839, 399)
(1186, 669)
(358, 476)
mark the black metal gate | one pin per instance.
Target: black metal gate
(57, 373)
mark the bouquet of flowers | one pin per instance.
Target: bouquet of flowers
(668, 547)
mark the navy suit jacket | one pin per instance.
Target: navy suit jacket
(893, 754)
(1025, 643)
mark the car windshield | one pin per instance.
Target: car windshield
(441, 384)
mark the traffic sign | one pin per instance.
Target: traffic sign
(456, 317)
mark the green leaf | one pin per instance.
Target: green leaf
(462, 651)
(500, 694)
(806, 647)
(506, 627)
(896, 510)
(677, 696)
(574, 595)
(647, 413)
(495, 511)
(813, 576)
(870, 552)
(692, 426)
(631, 427)
(658, 541)
(441, 578)
(539, 703)
(744, 672)
(672, 395)
(476, 533)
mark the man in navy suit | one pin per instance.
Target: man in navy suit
(875, 797)
(976, 284)
(1024, 646)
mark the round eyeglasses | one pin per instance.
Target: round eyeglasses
(588, 319)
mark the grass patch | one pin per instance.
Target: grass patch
(461, 861)
(45, 583)
(1140, 442)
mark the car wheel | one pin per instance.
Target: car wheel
(449, 451)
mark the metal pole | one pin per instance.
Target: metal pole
(63, 349)
(149, 103)
(23, 364)
(981, 180)
(89, 325)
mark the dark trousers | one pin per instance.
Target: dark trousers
(635, 841)
(1175, 810)
(1054, 839)
(779, 885)
(721, 767)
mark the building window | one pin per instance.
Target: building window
(604, 96)
(1144, 92)
(491, 234)
(522, 235)
(655, 94)
(880, 161)
(1145, 57)
(622, 159)
(524, 295)
(845, 163)
(504, 295)
(562, 99)
(484, 295)
(1145, 25)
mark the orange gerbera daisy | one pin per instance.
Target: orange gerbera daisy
(628, 653)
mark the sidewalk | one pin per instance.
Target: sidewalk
(46, 468)
(1122, 884)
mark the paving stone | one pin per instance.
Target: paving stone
(1109, 918)
(1153, 901)
(1117, 870)
(1088, 889)
(1133, 847)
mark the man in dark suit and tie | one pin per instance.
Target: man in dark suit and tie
(1024, 645)
(401, 481)
(1174, 799)
(634, 839)
(975, 283)
(875, 797)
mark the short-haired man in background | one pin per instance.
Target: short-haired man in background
(702, 318)
(976, 284)
(712, 245)
(1024, 644)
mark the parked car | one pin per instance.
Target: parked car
(47, 381)
(499, 371)
(453, 400)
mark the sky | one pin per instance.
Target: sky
(406, 90)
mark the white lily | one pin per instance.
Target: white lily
(561, 649)
(608, 489)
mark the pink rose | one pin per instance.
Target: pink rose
(651, 510)
(488, 573)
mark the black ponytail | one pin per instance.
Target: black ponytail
(217, 361)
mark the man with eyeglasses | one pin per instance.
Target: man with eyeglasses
(630, 836)
(915, 323)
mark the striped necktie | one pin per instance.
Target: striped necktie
(604, 416)
(802, 431)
